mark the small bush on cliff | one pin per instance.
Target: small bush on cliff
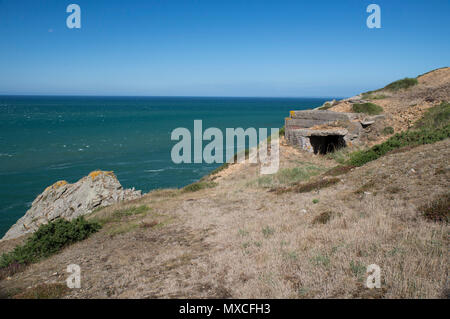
(436, 117)
(388, 130)
(403, 139)
(437, 209)
(48, 240)
(367, 108)
(194, 187)
(401, 84)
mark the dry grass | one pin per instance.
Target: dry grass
(44, 291)
(238, 240)
(315, 185)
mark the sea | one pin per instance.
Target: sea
(44, 139)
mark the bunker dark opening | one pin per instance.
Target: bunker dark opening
(326, 144)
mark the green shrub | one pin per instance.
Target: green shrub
(326, 106)
(219, 169)
(388, 130)
(281, 131)
(48, 240)
(267, 231)
(357, 269)
(371, 96)
(403, 139)
(194, 187)
(44, 291)
(435, 117)
(367, 108)
(401, 84)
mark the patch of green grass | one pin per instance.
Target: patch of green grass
(122, 228)
(435, 117)
(268, 231)
(131, 211)
(403, 139)
(357, 269)
(120, 214)
(194, 187)
(48, 240)
(401, 84)
(341, 155)
(315, 201)
(324, 107)
(367, 108)
(243, 232)
(289, 176)
(371, 96)
(219, 169)
(321, 260)
(388, 130)
(290, 255)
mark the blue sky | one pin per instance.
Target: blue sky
(218, 48)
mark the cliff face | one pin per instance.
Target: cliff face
(68, 201)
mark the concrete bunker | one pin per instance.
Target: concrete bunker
(322, 132)
(326, 143)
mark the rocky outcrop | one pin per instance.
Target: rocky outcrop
(68, 201)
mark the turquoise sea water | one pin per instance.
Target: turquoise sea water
(45, 139)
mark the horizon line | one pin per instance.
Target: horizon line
(171, 96)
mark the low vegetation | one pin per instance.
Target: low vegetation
(307, 187)
(322, 218)
(194, 187)
(367, 108)
(401, 84)
(46, 241)
(436, 117)
(120, 214)
(289, 176)
(388, 130)
(44, 291)
(433, 127)
(403, 139)
(437, 209)
(371, 96)
(326, 106)
(339, 170)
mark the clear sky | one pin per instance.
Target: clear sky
(218, 48)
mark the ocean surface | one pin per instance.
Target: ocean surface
(44, 139)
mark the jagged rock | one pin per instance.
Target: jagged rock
(68, 201)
